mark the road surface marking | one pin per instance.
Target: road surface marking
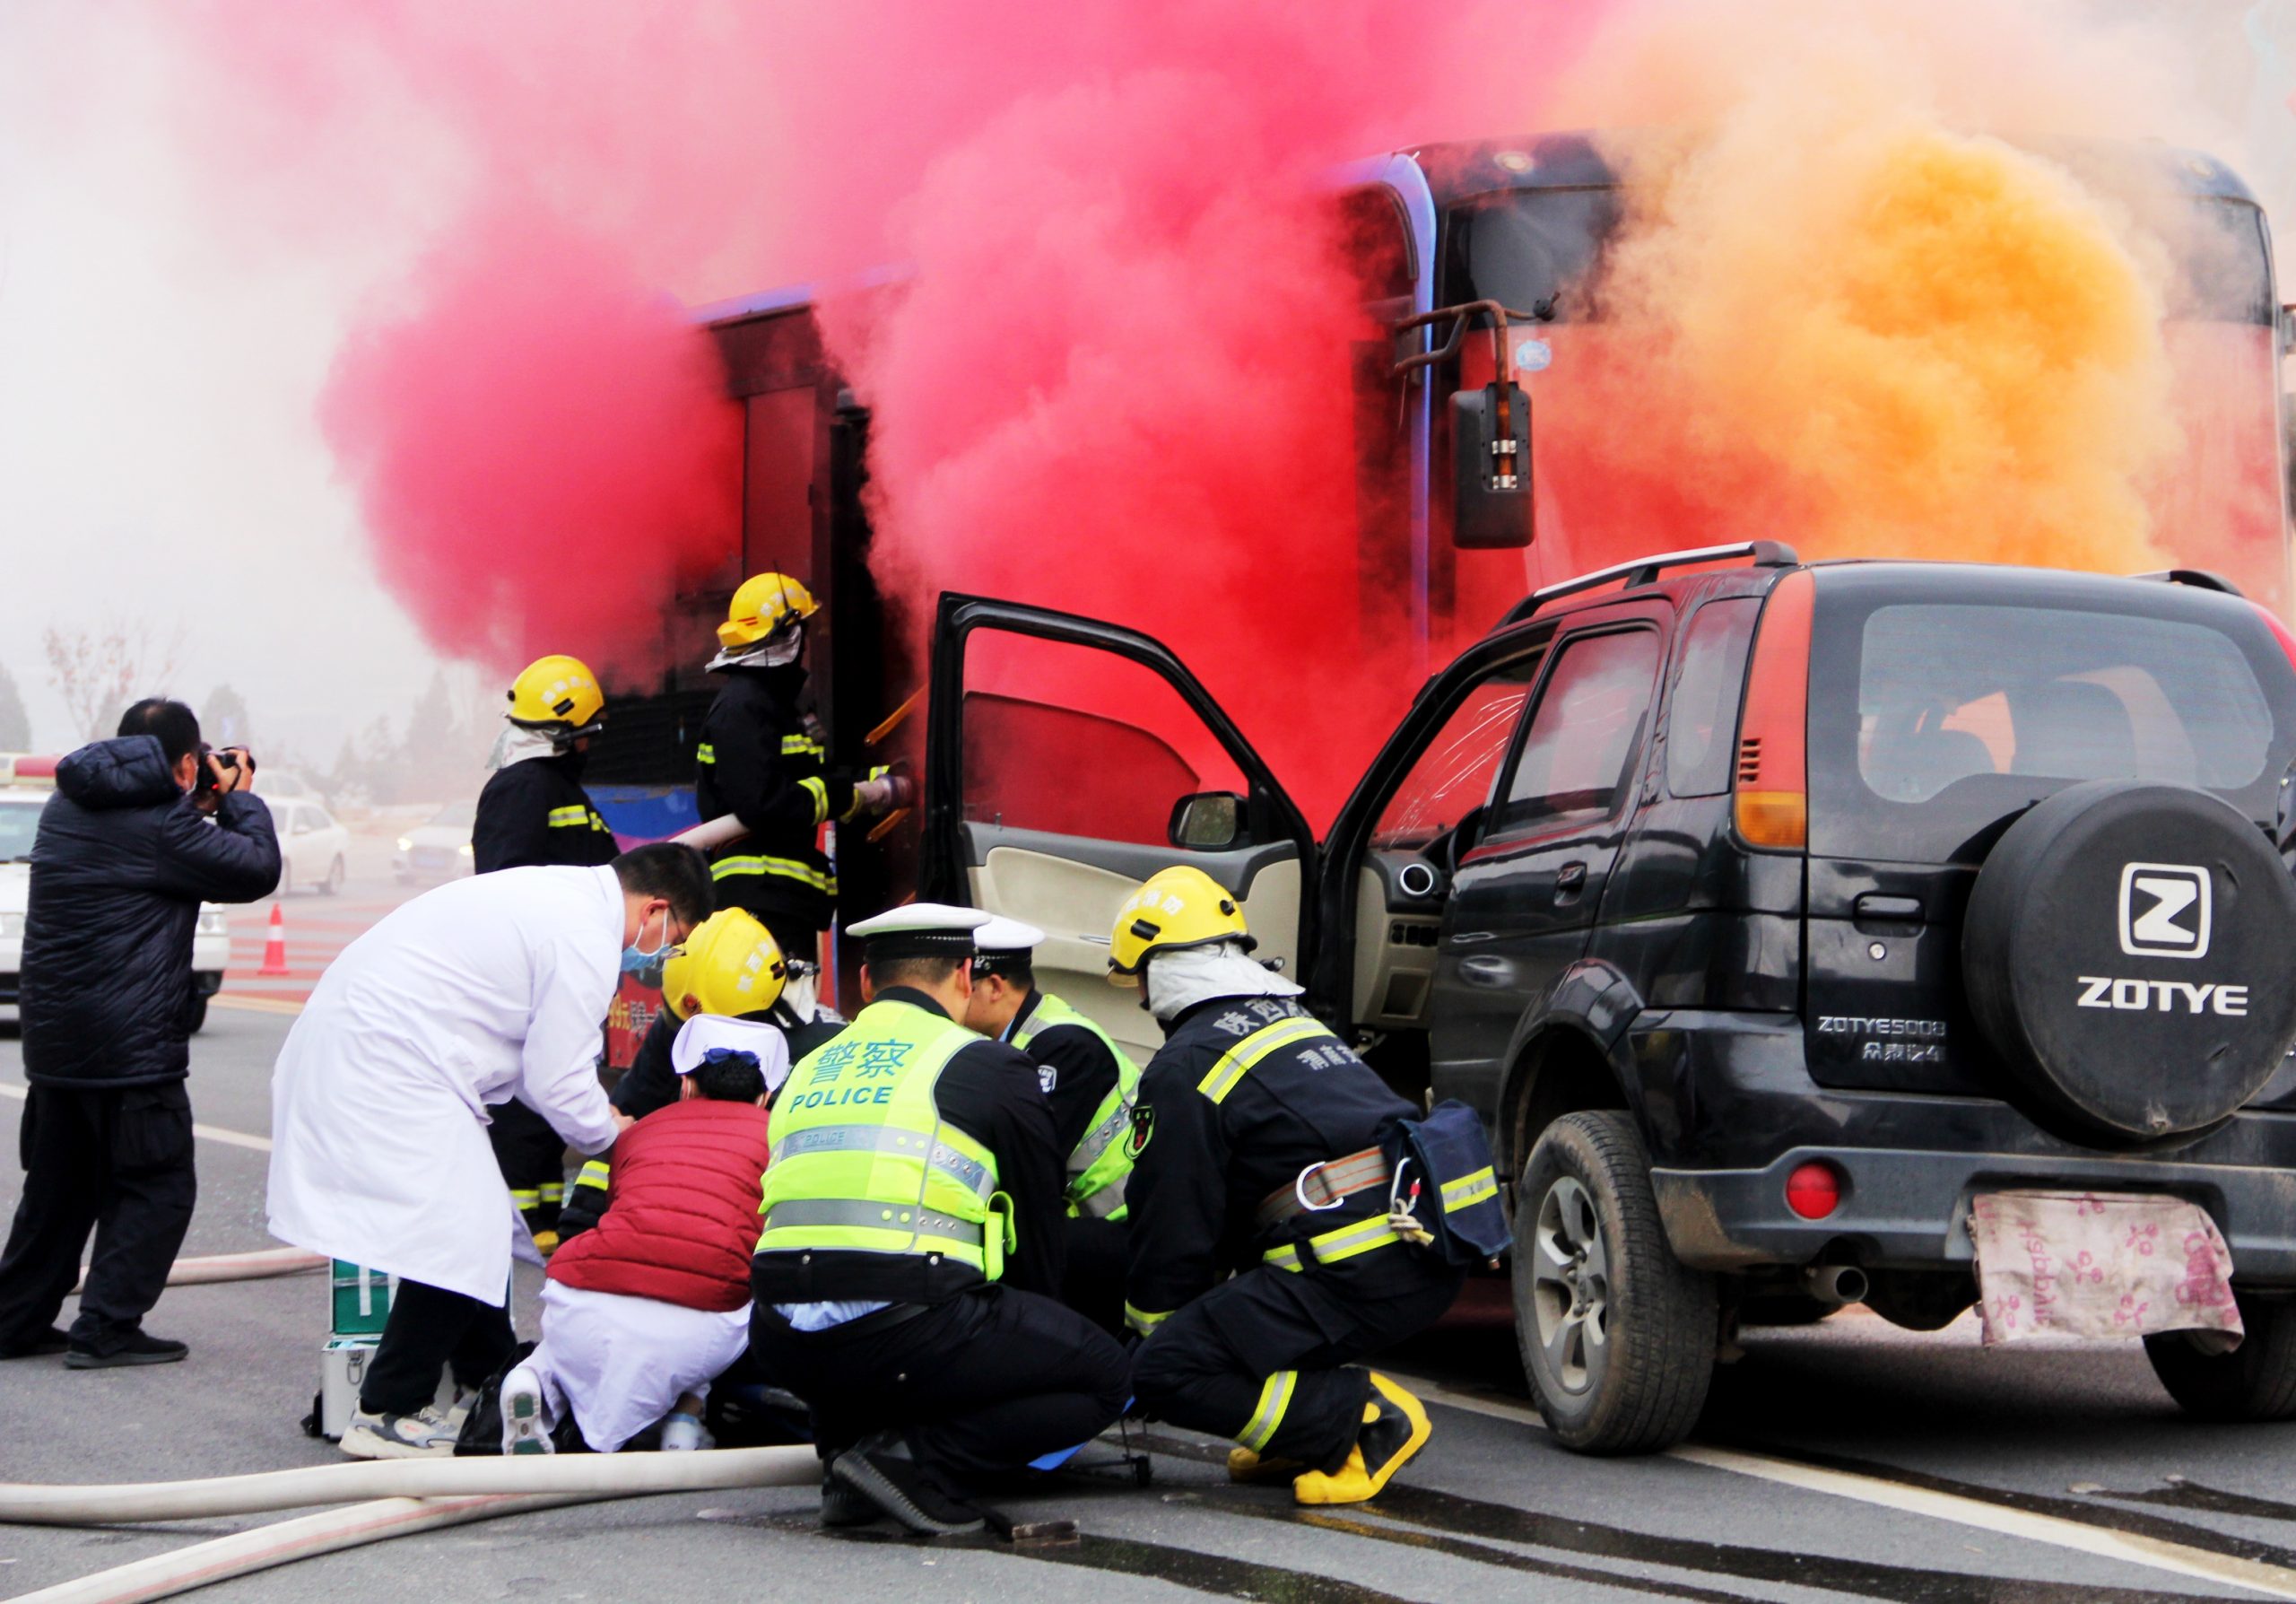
(2127, 1547)
(256, 1005)
(213, 1133)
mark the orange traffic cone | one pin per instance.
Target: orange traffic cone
(274, 949)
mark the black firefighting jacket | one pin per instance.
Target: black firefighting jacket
(1231, 1110)
(536, 814)
(763, 759)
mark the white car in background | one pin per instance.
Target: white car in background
(313, 849)
(20, 806)
(438, 847)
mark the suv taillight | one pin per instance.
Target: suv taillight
(1772, 799)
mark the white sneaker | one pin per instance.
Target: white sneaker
(682, 1432)
(523, 1431)
(459, 1410)
(421, 1436)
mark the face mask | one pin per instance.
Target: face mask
(643, 966)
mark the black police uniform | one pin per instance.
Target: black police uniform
(1078, 1072)
(764, 758)
(979, 1377)
(1260, 1358)
(535, 812)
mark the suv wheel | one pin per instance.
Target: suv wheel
(333, 885)
(2253, 1382)
(1617, 1335)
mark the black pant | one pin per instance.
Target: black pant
(980, 1384)
(533, 1160)
(430, 1327)
(1260, 1358)
(117, 1161)
(1093, 1283)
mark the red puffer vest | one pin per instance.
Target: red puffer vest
(681, 1218)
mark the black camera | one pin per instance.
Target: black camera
(227, 760)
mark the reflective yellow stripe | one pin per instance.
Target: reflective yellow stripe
(784, 868)
(575, 814)
(1274, 1398)
(596, 1173)
(553, 1192)
(819, 794)
(705, 754)
(797, 745)
(1469, 1189)
(1142, 1321)
(525, 1197)
(1228, 1071)
(1333, 1246)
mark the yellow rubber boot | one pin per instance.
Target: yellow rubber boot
(1249, 1468)
(1395, 1427)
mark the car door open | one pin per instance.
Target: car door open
(1066, 760)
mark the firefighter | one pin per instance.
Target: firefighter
(534, 813)
(730, 969)
(1091, 1083)
(764, 758)
(1259, 1146)
(910, 1250)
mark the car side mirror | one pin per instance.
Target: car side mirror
(1491, 467)
(1207, 822)
(1461, 840)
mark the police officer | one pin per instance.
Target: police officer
(1091, 1083)
(534, 812)
(911, 1246)
(729, 968)
(764, 758)
(1257, 1146)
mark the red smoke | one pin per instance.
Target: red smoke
(542, 446)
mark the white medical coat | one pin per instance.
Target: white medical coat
(485, 989)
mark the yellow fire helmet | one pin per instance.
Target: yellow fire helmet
(1174, 908)
(559, 695)
(730, 964)
(765, 602)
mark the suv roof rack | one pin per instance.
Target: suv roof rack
(2199, 579)
(1644, 570)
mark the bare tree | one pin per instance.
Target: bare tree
(99, 673)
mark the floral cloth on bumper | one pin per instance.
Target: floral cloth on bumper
(2086, 1264)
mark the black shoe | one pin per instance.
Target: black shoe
(51, 1341)
(843, 1506)
(896, 1487)
(137, 1347)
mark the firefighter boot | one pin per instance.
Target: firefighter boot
(1249, 1468)
(1395, 1427)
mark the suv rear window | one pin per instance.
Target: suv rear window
(1960, 714)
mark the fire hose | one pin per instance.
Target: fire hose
(401, 1497)
(260, 1265)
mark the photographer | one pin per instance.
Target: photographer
(141, 829)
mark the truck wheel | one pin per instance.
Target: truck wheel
(195, 1016)
(2255, 1381)
(1617, 1335)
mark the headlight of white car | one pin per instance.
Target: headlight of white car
(405, 844)
(12, 924)
(211, 923)
(464, 849)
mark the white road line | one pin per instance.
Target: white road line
(2275, 1582)
(213, 1133)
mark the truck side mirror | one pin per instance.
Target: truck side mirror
(1207, 822)
(1491, 467)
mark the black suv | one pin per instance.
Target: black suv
(1770, 912)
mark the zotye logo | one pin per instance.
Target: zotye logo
(2101, 991)
(2156, 900)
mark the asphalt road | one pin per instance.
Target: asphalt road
(1845, 1460)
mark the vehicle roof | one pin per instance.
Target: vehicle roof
(1581, 158)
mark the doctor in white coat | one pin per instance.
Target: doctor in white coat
(481, 991)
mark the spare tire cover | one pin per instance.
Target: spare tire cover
(2126, 953)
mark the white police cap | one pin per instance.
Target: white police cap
(920, 930)
(1003, 938)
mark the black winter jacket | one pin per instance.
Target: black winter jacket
(536, 812)
(119, 868)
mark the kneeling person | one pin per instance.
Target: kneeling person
(1250, 1112)
(639, 1313)
(911, 1252)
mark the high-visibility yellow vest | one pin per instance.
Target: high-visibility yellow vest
(863, 1162)
(1100, 1166)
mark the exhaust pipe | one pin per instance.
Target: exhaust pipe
(1835, 1284)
